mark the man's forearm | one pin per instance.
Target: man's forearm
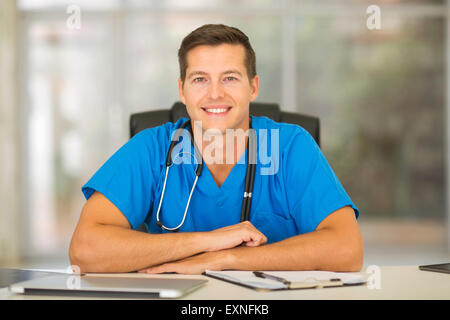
(318, 250)
(108, 248)
(116, 249)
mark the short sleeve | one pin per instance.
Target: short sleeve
(128, 177)
(314, 191)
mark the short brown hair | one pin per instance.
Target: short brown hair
(214, 35)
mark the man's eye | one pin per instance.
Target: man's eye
(230, 78)
(199, 79)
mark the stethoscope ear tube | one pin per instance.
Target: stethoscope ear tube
(198, 172)
(158, 222)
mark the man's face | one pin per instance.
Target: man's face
(217, 90)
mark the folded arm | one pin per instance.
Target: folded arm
(103, 241)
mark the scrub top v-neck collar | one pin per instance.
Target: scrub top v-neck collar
(232, 181)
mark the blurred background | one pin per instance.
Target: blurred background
(72, 72)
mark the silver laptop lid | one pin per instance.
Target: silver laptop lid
(72, 284)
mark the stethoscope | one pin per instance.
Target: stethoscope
(249, 174)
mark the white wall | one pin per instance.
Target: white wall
(9, 135)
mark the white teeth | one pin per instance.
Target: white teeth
(216, 110)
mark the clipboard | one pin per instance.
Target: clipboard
(310, 279)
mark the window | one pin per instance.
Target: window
(379, 95)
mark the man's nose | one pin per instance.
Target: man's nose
(216, 90)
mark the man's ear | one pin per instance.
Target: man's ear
(254, 87)
(180, 90)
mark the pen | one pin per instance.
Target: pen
(263, 275)
(333, 282)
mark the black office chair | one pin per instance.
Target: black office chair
(149, 119)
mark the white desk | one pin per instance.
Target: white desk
(404, 283)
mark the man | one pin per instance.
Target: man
(301, 218)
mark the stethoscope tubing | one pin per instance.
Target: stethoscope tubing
(249, 177)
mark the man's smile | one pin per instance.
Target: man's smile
(216, 111)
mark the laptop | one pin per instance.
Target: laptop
(9, 276)
(109, 286)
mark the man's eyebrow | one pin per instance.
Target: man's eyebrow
(195, 73)
(233, 71)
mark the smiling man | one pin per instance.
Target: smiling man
(301, 218)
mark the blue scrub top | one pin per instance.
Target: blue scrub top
(294, 189)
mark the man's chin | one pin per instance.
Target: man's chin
(212, 125)
(215, 129)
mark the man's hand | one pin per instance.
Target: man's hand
(216, 256)
(243, 233)
(193, 265)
